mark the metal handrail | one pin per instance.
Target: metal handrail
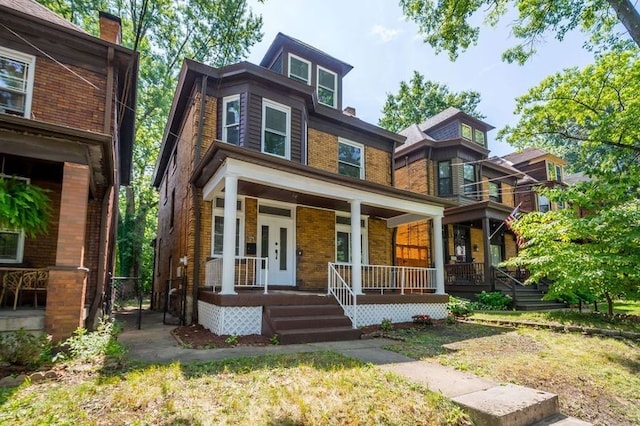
(511, 285)
(343, 293)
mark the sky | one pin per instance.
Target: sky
(384, 49)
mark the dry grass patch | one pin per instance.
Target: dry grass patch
(311, 389)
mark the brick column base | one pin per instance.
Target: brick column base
(65, 302)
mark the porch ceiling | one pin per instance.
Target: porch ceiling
(476, 211)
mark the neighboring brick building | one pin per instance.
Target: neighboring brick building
(264, 172)
(66, 125)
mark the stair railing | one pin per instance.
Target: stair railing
(343, 293)
(508, 280)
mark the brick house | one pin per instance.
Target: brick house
(67, 111)
(447, 156)
(267, 185)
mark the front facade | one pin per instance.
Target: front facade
(266, 183)
(66, 125)
(447, 156)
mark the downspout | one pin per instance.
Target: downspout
(102, 245)
(196, 204)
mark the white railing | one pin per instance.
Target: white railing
(343, 293)
(249, 272)
(383, 277)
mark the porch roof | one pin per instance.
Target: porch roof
(476, 211)
(266, 176)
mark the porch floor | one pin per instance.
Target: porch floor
(30, 319)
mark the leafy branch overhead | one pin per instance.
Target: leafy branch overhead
(23, 207)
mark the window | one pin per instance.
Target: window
(218, 227)
(276, 122)
(543, 204)
(551, 171)
(496, 254)
(173, 208)
(231, 119)
(343, 239)
(16, 82)
(299, 69)
(327, 87)
(11, 246)
(494, 192)
(466, 131)
(350, 159)
(478, 136)
(469, 181)
(558, 173)
(445, 186)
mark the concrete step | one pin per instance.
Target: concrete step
(303, 310)
(539, 306)
(314, 321)
(324, 334)
(562, 420)
(31, 320)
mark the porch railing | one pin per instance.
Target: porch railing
(343, 293)
(465, 273)
(248, 272)
(397, 278)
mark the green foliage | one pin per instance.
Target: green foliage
(23, 348)
(448, 26)
(421, 99)
(386, 325)
(232, 340)
(85, 346)
(275, 340)
(23, 206)
(423, 319)
(492, 301)
(459, 307)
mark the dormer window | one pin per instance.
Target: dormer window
(478, 137)
(299, 69)
(466, 131)
(16, 82)
(554, 171)
(327, 87)
(231, 119)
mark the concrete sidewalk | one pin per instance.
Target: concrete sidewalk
(487, 402)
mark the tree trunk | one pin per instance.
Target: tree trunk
(629, 17)
(609, 303)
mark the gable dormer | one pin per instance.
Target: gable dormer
(308, 65)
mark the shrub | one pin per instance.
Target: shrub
(423, 319)
(386, 325)
(86, 345)
(232, 340)
(493, 301)
(23, 348)
(459, 307)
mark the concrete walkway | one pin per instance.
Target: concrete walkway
(487, 402)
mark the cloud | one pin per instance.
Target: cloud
(385, 34)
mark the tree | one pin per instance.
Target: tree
(163, 32)
(421, 99)
(446, 24)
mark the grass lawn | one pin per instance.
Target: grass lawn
(597, 378)
(311, 389)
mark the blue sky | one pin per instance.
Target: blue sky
(384, 49)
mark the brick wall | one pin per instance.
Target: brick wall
(413, 244)
(73, 215)
(477, 240)
(323, 151)
(65, 302)
(416, 176)
(380, 242)
(315, 230)
(377, 165)
(40, 252)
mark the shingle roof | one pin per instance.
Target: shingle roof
(438, 118)
(525, 155)
(33, 8)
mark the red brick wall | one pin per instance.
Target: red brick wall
(40, 251)
(65, 302)
(73, 215)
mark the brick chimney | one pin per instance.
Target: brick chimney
(350, 111)
(110, 27)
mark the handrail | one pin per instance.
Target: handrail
(510, 285)
(389, 277)
(343, 293)
(248, 272)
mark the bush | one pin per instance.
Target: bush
(423, 319)
(493, 301)
(23, 348)
(386, 325)
(459, 307)
(86, 345)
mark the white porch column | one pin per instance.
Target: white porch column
(356, 247)
(229, 237)
(438, 253)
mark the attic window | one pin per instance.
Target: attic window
(327, 84)
(478, 136)
(231, 119)
(299, 69)
(466, 131)
(16, 82)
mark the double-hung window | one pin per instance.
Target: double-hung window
(327, 87)
(343, 239)
(299, 69)
(466, 131)
(218, 227)
(16, 82)
(276, 129)
(469, 181)
(445, 184)
(494, 192)
(543, 203)
(350, 158)
(478, 136)
(231, 119)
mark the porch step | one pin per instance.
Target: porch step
(530, 299)
(309, 323)
(31, 320)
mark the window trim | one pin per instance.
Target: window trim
(296, 77)
(498, 197)
(267, 103)
(225, 126)
(362, 156)
(470, 188)
(538, 205)
(335, 83)
(466, 126)
(339, 227)
(477, 132)
(449, 178)
(219, 212)
(30, 61)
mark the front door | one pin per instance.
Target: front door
(277, 244)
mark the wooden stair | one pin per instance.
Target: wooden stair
(530, 299)
(308, 324)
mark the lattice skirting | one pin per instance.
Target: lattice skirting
(374, 314)
(222, 320)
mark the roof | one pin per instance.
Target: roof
(311, 52)
(33, 8)
(574, 178)
(503, 165)
(448, 114)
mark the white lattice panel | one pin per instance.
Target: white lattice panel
(239, 320)
(374, 314)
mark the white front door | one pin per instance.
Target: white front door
(277, 244)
